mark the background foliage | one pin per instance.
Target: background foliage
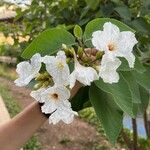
(43, 14)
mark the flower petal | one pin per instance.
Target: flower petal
(111, 30)
(27, 71)
(109, 35)
(125, 47)
(62, 113)
(37, 95)
(108, 69)
(58, 68)
(84, 75)
(131, 59)
(49, 107)
(72, 79)
(51, 102)
(96, 41)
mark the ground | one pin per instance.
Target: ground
(77, 136)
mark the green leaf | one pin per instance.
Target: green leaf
(141, 25)
(124, 12)
(125, 65)
(134, 89)
(97, 24)
(49, 42)
(78, 32)
(145, 98)
(120, 92)
(138, 66)
(107, 111)
(78, 101)
(92, 4)
(133, 86)
(143, 78)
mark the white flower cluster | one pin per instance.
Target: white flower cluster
(55, 99)
(114, 44)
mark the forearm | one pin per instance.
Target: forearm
(16, 132)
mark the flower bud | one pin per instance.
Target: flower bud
(68, 60)
(80, 52)
(38, 85)
(99, 54)
(46, 84)
(64, 46)
(70, 53)
(39, 77)
(46, 74)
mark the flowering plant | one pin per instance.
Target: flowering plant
(102, 59)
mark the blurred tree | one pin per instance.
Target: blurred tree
(43, 14)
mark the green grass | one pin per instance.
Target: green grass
(7, 72)
(13, 109)
(89, 115)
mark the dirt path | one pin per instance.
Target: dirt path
(77, 136)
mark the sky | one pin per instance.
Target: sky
(19, 2)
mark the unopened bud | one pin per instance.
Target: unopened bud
(38, 85)
(46, 74)
(80, 52)
(86, 59)
(64, 46)
(69, 52)
(42, 76)
(68, 60)
(99, 54)
(46, 84)
(96, 67)
(39, 77)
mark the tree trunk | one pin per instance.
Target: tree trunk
(135, 134)
(126, 139)
(146, 123)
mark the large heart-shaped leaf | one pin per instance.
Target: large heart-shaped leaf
(137, 66)
(97, 24)
(133, 86)
(145, 99)
(121, 94)
(49, 42)
(134, 89)
(107, 111)
(143, 78)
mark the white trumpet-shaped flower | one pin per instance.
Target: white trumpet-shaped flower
(28, 70)
(55, 97)
(58, 68)
(64, 113)
(108, 69)
(55, 102)
(115, 43)
(84, 75)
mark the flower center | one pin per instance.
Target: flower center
(60, 65)
(54, 96)
(111, 47)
